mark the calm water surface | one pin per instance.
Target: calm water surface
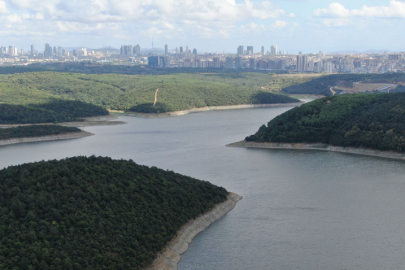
(301, 209)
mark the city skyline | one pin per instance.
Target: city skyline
(210, 26)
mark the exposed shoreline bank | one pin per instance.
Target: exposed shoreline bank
(169, 258)
(209, 108)
(101, 120)
(320, 147)
(64, 136)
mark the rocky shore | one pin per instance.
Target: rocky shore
(321, 147)
(65, 136)
(171, 255)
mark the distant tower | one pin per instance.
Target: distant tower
(249, 49)
(262, 49)
(273, 49)
(32, 50)
(166, 49)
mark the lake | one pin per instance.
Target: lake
(301, 209)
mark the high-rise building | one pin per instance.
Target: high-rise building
(216, 62)
(252, 63)
(302, 63)
(240, 50)
(15, 51)
(54, 50)
(177, 50)
(187, 49)
(249, 49)
(84, 50)
(32, 50)
(166, 49)
(48, 50)
(59, 51)
(262, 49)
(273, 49)
(181, 49)
(10, 50)
(238, 62)
(130, 50)
(195, 51)
(229, 62)
(137, 50)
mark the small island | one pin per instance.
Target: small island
(372, 124)
(97, 213)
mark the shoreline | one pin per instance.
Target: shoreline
(320, 147)
(56, 137)
(169, 258)
(208, 108)
(102, 120)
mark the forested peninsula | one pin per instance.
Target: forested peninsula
(94, 213)
(35, 131)
(374, 121)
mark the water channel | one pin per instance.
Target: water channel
(301, 209)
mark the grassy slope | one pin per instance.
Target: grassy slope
(122, 92)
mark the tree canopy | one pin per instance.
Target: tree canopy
(94, 213)
(374, 121)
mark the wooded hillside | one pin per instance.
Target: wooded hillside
(94, 213)
(374, 121)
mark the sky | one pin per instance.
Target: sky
(208, 25)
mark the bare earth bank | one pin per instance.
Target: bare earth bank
(65, 136)
(321, 147)
(212, 108)
(171, 255)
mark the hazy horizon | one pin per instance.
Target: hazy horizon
(209, 26)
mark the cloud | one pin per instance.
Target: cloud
(292, 15)
(127, 18)
(279, 24)
(3, 7)
(395, 9)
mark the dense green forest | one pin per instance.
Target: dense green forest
(322, 85)
(94, 213)
(131, 92)
(56, 110)
(34, 131)
(374, 121)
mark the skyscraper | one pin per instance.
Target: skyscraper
(262, 49)
(181, 49)
(137, 50)
(187, 49)
(195, 51)
(302, 63)
(32, 50)
(240, 50)
(273, 49)
(10, 50)
(249, 49)
(166, 49)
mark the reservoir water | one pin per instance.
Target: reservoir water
(301, 209)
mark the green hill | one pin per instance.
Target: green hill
(94, 213)
(130, 92)
(374, 121)
(322, 85)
